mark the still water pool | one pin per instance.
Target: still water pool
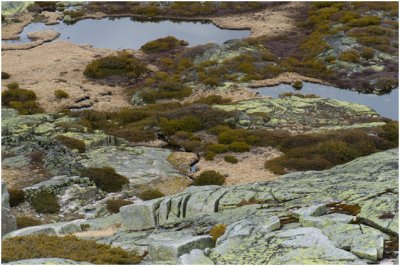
(386, 105)
(123, 33)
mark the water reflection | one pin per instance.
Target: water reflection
(386, 105)
(120, 33)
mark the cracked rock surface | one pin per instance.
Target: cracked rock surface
(315, 217)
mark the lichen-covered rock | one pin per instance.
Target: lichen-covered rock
(8, 221)
(297, 113)
(62, 228)
(140, 216)
(368, 247)
(326, 220)
(293, 246)
(287, 221)
(139, 164)
(195, 257)
(169, 246)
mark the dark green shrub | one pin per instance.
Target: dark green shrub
(60, 94)
(17, 196)
(150, 194)
(45, 202)
(209, 156)
(391, 132)
(106, 178)
(74, 144)
(386, 83)
(17, 95)
(233, 135)
(239, 147)
(162, 45)
(5, 75)
(129, 115)
(26, 108)
(367, 53)
(364, 21)
(350, 56)
(230, 159)
(120, 64)
(74, 14)
(68, 247)
(297, 85)
(164, 87)
(25, 221)
(217, 231)
(213, 99)
(13, 85)
(217, 148)
(189, 124)
(192, 145)
(182, 134)
(209, 178)
(216, 130)
(113, 205)
(280, 165)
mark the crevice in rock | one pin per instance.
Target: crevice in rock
(216, 205)
(83, 98)
(364, 221)
(184, 203)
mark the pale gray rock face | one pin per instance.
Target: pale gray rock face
(288, 221)
(139, 216)
(170, 245)
(8, 221)
(62, 228)
(195, 257)
(139, 164)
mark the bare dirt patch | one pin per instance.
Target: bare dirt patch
(249, 169)
(271, 21)
(10, 31)
(59, 66)
(235, 94)
(286, 78)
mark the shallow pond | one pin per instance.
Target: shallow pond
(122, 33)
(386, 105)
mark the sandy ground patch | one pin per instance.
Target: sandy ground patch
(60, 65)
(235, 94)
(270, 21)
(37, 37)
(287, 78)
(10, 31)
(24, 177)
(249, 169)
(97, 233)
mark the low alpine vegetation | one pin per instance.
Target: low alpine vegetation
(68, 247)
(106, 178)
(209, 178)
(122, 63)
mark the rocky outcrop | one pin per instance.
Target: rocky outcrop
(139, 164)
(8, 222)
(306, 114)
(334, 216)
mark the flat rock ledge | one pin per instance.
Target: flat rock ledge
(345, 215)
(37, 38)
